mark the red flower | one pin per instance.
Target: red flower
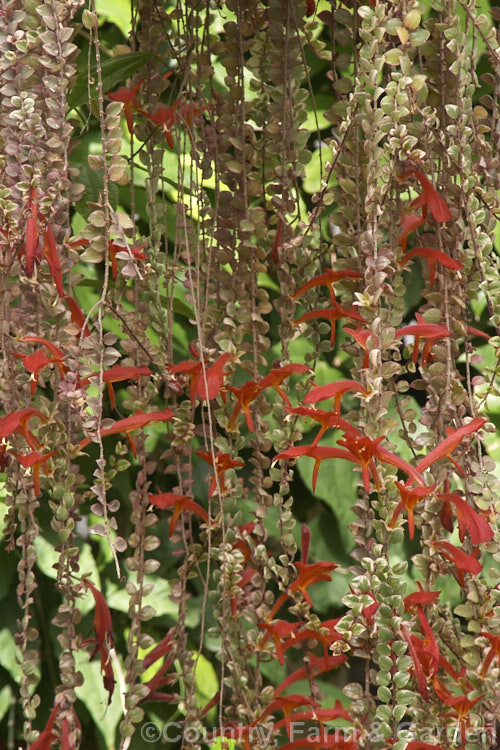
(47, 738)
(35, 363)
(461, 709)
(364, 449)
(433, 257)
(468, 519)
(77, 315)
(328, 278)
(315, 666)
(428, 197)
(409, 224)
(128, 99)
(51, 254)
(476, 332)
(409, 498)
(277, 375)
(114, 249)
(325, 638)
(161, 648)
(463, 563)
(222, 463)
(32, 247)
(35, 461)
(103, 636)
(455, 437)
(333, 313)
(179, 503)
(327, 420)
(279, 630)
(129, 424)
(116, 374)
(413, 601)
(214, 376)
(494, 651)
(318, 452)
(361, 336)
(286, 703)
(421, 329)
(164, 116)
(245, 394)
(361, 451)
(334, 390)
(309, 574)
(17, 422)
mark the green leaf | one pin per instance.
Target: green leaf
(336, 485)
(10, 652)
(114, 71)
(95, 697)
(6, 698)
(117, 12)
(47, 558)
(181, 308)
(206, 682)
(94, 185)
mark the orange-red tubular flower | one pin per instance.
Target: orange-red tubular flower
(334, 390)
(103, 636)
(333, 313)
(327, 420)
(52, 256)
(47, 739)
(134, 252)
(164, 116)
(309, 574)
(428, 198)
(135, 422)
(365, 449)
(432, 256)
(36, 362)
(34, 461)
(32, 236)
(116, 374)
(277, 375)
(468, 519)
(178, 503)
(222, 463)
(409, 498)
(463, 563)
(245, 394)
(494, 651)
(77, 315)
(316, 665)
(360, 450)
(286, 703)
(319, 453)
(409, 223)
(128, 98)
(444, 449)
(328, 278)
(279, 631)
(423, 330)
(17, 422)
(361, 336)
(214, 375)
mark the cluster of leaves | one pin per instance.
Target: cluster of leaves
(166, 209)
